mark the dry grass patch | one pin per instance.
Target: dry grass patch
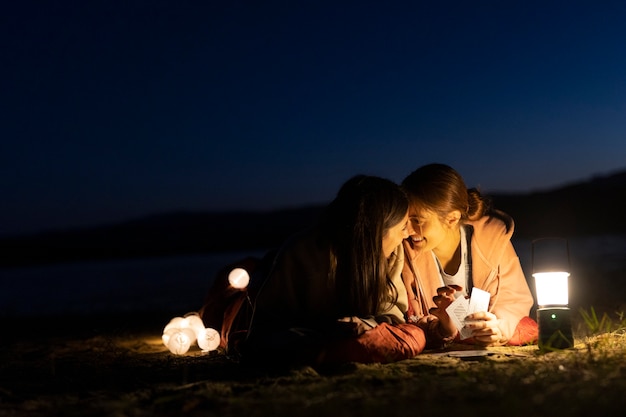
(135, 375)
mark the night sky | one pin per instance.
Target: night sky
(112, 110)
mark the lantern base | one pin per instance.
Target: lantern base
(555, 328)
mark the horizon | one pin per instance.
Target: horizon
(183, 211)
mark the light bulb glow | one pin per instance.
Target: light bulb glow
(182, 332)
(167, 334)
(194, 322)
(208, 339)
(179, 342)
(551, 288)
(176, 323)
(239, 278)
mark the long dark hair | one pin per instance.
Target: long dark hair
(441, 189)
(354, 225)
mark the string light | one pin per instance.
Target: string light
(182, 332)
(239, 278)
(208, 339)
(179, 341)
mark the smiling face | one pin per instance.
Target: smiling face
(428, 231)
(394, 236)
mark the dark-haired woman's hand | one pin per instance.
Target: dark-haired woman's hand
(352, 326)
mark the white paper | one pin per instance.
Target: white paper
(462, 307)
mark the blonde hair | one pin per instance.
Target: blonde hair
(441, 189)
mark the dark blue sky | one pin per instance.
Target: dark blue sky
(116, 109)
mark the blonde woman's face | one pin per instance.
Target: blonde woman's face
(395, 235)
(426, 229)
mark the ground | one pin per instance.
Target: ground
(118, 366)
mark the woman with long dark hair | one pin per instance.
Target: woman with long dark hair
(335, 292)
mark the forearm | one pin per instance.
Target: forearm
(437, 335)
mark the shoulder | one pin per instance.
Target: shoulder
(302, 247)
(496, 224)
(491, 236)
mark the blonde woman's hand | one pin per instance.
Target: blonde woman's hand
(445, 297)
(484, 326)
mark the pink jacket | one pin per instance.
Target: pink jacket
(495, 268)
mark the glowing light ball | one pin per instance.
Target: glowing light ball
(182, 332)
(180, 341)
(167, 334)
(208, 339)
(194, 322)
(176, 323)
(239, 278)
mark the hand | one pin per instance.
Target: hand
(484, 326)
(445, 297)
(352, 326)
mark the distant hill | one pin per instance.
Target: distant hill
(592, 207)
(160, 235)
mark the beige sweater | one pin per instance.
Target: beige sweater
(495, 268)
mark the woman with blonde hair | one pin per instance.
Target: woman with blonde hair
(458, 242)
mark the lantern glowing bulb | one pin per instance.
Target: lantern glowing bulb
(552, 289)
(239, 278)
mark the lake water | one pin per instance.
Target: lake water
(598, 267)
(173, 283)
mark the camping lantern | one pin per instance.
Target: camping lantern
(550, 260)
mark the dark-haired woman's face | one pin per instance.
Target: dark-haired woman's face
(394, 236)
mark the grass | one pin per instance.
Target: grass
(128, 372)
(597, 324)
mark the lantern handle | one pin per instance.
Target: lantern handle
(535, 241)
